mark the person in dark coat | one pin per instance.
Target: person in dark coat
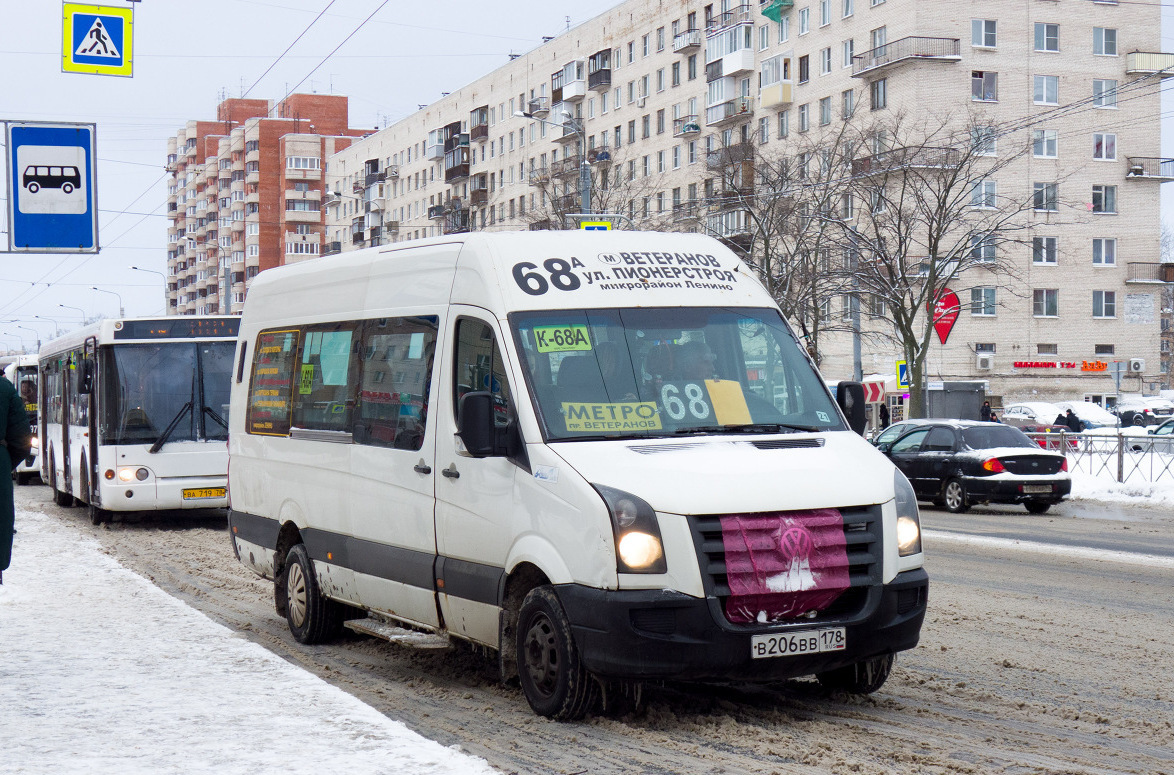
(1072, 421)
(884, 416)
(14, 446)
(984, 414)
(1061, 419)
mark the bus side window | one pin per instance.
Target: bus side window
(479, 366)
(397, 358)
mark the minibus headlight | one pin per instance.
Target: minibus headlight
(636, 531)
(908, 520)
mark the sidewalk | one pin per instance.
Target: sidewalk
(102, 672)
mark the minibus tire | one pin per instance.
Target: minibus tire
(312, 617)
(553, 678)
(861, 678)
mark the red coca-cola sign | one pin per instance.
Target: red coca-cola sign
(945, 313)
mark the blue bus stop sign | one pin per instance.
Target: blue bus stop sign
(52, 191)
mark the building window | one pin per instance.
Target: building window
(646, 126)
(982, 302)
(1104, 199)
(984, 194)
(784, 29)
(849, 8)
(985, 140)
(847, 103)
(1044, 250)
(825, 12)
(983, 249)
(764, 130)
(784, 124)
(660, 80)
(1104, 349)
(878, 93)
(1043, 302)
(1047, 37)
(825, 111)
(983, 33)
(804, 69)
(1047, 349)
(984, 86)
(675, 78)
(303, 163)
(691, 63)
(1104, 41)
(1045, 197)
(1104, 304)
(660, 38)
(1104, 93)
(1043, 143)
(849, 51)
(804, 120)
(825, 61)
(1104, 251)
(1104, 146)
(804, 21)
(660, 121)
(644, 45)
(1046, 89)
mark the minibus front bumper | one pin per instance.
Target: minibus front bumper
(665, 634)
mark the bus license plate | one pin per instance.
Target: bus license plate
(207, 492)
(790, 644)
(1030, 489)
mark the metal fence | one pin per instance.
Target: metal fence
(1136, 459)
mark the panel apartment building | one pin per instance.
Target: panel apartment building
(245, 194)
(658, 87)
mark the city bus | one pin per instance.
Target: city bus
(134, 414)
(21, 371)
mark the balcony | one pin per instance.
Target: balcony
(1149, 273)
(905, 50)
(722, 22)
(434, 151)
(600, 80)
(332, 247)
(566, 166)
(577, 90)
(479, 133)
(781, 93)
(371, 178)
(686, 126)
(730, 110)
(1149, 63)
(774, 9)
(392, 227)
(1149, 168)
(436, 211)
(357, 188)
(686, 41)
(539, 176)
(731, 154)
(392, 171)
(538, 107)
(599, 70)
(568, 134)
(919, 157)
(478, 197)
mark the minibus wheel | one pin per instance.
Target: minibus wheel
(861, 678)
(312, 617)
(553, 678)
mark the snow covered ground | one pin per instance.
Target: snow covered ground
(103, 672)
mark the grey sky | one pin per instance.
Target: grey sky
(188, 55)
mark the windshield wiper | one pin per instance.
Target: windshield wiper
(763, 427)
(210, 411)
(158, 445)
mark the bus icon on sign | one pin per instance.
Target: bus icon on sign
(68, 179)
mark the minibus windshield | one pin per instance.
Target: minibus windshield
(663, 372)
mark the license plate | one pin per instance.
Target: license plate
(1036, 488)
(207, 492)
(791, 644)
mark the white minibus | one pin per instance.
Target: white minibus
(21, 371)
(605, 456)
(134, 414)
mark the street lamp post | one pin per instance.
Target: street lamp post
(81, 311)
(36, 333)
(575, 126)
(155, 271)
(19, 337)
(54, 321)
(121, 310)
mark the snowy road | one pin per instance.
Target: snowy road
(1030, 662)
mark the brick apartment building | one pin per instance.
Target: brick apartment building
(245, 194)
(658, 87)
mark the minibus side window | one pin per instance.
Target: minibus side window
(479, 366)
(396, 361)
(271, 387)
(326, 378)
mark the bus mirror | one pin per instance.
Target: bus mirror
(850, 397)
(85, 383)
(475, 424)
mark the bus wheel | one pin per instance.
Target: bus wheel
(861, 678)
(22, 478)
(60, 498)
(312, 617)
(553, 678)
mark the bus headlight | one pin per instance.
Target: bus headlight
(34, 443)
(128, 474)
(636, 531)
(908, 520)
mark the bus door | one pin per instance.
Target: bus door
(88, 388)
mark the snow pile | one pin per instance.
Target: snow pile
(1088, 487)
(102, 672)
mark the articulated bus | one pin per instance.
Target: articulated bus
(21, 371)
(134, 414)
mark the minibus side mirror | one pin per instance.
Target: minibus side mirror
(475, 424)
(850, 397)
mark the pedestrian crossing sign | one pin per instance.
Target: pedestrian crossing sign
(595, 226)
(902, 374)
(96, 39)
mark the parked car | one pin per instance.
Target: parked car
(957, 463)
(1165, 429)
(894, 431)
(1030, 415)
(1091, 415)
(1144, 411)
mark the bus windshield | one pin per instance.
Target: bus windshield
(649, 372)
(148, 388)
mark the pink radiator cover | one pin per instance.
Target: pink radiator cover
(784, 564)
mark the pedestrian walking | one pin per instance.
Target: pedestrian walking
(984, 414)
(14, 447)
(884, 416)
(1072, 421)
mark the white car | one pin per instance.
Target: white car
(1091, 415)
(1030, 414)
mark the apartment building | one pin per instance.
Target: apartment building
(659, 90)
(245, 194)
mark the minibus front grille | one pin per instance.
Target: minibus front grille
(788, 444)
(863, 541)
